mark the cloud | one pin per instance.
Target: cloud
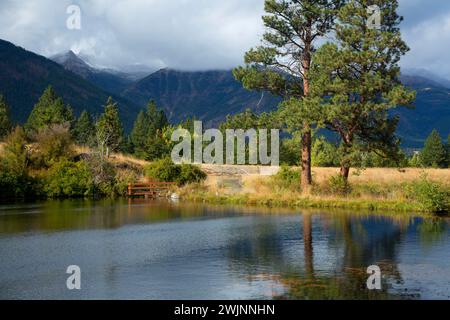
(184, 34)
(189, 34)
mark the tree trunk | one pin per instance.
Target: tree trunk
(345, 172)
(306, 159)
(308, 245)
(307, 136)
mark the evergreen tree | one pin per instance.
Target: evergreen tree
(139, 134)
(434, 153)
(146, 133)
(157, 117)
(355, 82)
(84, 129)
(324, 153)
(49, 110)
(109, 129)
(282, 64)
(5, 123)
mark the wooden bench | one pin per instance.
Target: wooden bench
(151, 189)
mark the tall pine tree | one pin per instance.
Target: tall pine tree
(49, 110)
(5, 122)
(434, 153)
(355, 81)
(282, 64)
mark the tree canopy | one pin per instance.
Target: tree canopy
(434, 153)
(355, 82)
(49, 110)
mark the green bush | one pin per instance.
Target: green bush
(165, 170)
(339, 185)
(14, 185)
(104, 176)
(53, 144)
(15, 181)
(288, 178)
(190, 174)
(68, 179)
(432, 196)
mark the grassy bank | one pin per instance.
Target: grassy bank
(411, 190)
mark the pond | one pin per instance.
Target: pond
(165, 250)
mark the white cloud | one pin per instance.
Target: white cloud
(189, 34)
(183, 34)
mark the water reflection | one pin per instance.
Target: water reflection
(165, 250)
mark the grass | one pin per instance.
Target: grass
(373, 189)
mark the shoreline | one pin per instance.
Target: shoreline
(370, 205)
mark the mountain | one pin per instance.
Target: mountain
(24, 76)
(207, 95)
(108, 80)
(432, 111)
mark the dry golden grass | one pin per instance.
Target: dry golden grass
(384, 176)
(115, 158)
(374, 189)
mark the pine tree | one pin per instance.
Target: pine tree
(282, 64)
(355, 82)
(109, 129)
(84, 129)
(434, 153)
(146, 133)
(5, 122)
(49, 110)
(156, 117)
(139, 134)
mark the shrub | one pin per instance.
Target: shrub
(163, 170)
(53, 144)
(104, 176)
(288, 177)
(190, 174)
(166, 170)
(15, 181)
(14, 185)
(432, 196)
(339, 185)
(68, 179)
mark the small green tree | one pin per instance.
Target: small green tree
(84, 129)
(109, 129)
(5, 122)
(49, 110)
(414, 161)
(434, 153)
(324, 153)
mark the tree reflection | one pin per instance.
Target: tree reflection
(353, 243)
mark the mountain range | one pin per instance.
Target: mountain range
(206, 95)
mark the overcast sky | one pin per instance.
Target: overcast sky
(189, 34)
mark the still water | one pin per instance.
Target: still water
(161, 250)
